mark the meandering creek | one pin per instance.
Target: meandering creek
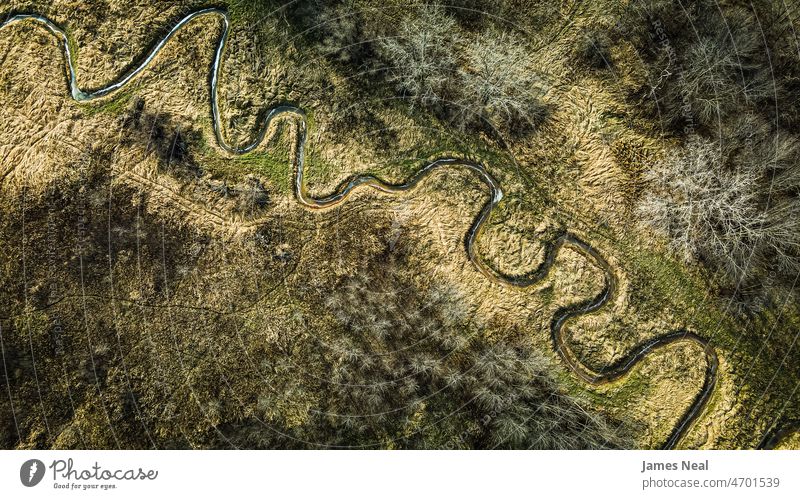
(593, 376)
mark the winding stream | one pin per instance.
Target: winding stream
(597, 376)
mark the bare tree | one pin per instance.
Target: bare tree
(341, 29)
(735, 209)
(422, 55)
(487, 80)
(724, 68)
(498, 84)
(706, 210)
(701, 76)
(252, 196)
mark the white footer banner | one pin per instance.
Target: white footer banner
(387, 474)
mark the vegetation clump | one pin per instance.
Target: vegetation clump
(478, 81)
(413, 368)
(734, 210)
(727, 195)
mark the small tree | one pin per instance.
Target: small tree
(498, 84)
(342, 36)
(422, 55)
